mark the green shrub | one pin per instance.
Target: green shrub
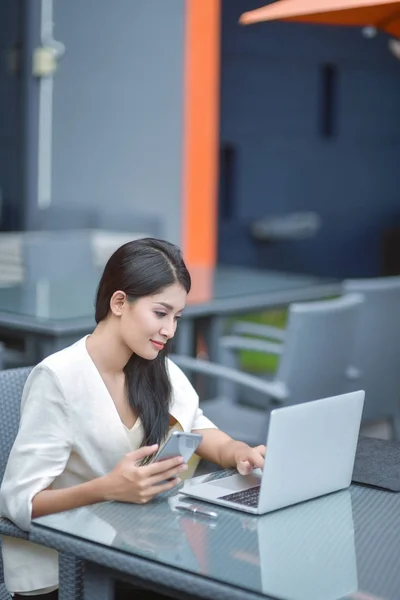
(257, 362)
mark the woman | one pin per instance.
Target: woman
(93, 414)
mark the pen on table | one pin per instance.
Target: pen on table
(197, 510)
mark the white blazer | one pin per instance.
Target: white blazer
(70, 432)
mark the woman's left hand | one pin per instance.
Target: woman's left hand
(247, 458)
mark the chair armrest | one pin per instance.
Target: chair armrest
(235, 342)
(276, 389)
(267, 331)
(7, 527)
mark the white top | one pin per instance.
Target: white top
(70, 432)
(135, 434)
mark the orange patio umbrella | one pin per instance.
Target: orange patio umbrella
(376, 14)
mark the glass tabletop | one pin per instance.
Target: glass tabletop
(344, 545)
(74, 299)
(51, 300)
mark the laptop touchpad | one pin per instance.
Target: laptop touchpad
(236, 483)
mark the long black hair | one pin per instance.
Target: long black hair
(142, 268)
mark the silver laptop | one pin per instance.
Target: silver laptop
(311, 449)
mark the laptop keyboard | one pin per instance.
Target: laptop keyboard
(247, 497)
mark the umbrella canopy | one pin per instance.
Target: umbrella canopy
(381, 14)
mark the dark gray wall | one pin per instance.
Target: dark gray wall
(10, 118)
(118, 97)
(282, 160)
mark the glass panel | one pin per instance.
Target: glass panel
(340, 546)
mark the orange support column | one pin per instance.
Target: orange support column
(201, 132)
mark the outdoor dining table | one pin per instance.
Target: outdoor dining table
(343, 545)
(54, 314)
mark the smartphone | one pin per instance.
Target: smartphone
(179, 443)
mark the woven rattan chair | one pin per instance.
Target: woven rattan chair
(12, 382)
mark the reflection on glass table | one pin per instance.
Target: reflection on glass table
(51, 300)
(306, 552)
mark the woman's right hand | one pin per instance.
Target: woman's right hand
(130, 482)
